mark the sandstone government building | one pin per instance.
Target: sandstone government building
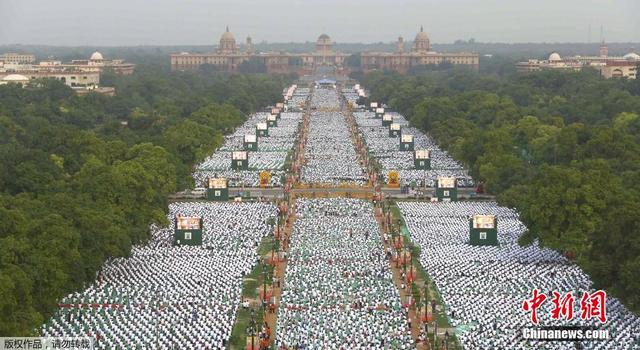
(229, 56)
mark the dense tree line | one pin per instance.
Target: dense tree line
(83, 177)
(561, 148)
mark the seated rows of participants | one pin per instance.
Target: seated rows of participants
(166, 296)
(484, 288)
(338, 291)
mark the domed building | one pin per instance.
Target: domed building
(421, 55)
(609, 66)
(83, 75)
(555, 57)
(96, 57)
(631, 56)
(324, 43)
(14, 79)
(229, 57)
(421, 42)
(228, 43)
(97, 63)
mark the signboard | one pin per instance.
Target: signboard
(407, 138)
(484, 221)
(394, 130)
(423, 154)
(446, 182)
(262, 129)
(239, 155)
(218, 189)
(217, 183)
(387, 119)
(188, 222)
(250, 138)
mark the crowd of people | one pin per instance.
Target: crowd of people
(330, 156)
(484, 288)
(386, 150)
(338, 290)
(165, 296)
(272, 151)
(299, 98)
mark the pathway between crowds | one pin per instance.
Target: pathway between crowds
(271, 318)
(366, 191)
(400, 282)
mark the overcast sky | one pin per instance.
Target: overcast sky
(175, 22)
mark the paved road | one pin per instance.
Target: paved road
(255, 192)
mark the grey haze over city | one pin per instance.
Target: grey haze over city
(200, 22)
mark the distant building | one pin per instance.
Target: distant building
(97, 62)
(421, 54)
(609, 66)
(229, 57)
(72, 78)
(14, 79)
(17, 58)
(81, 75)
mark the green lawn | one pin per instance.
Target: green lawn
(441, 317)
(250, 285)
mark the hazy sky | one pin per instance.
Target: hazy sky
(171, 22)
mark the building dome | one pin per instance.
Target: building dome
(631, 56)
(227, 35)
(421, 42)
(324, 43)
(555, 57)
(96, 56)
(15, 78)
(228, 43)
(422, 35)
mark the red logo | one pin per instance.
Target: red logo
(533, 304)
(562, 307)
(592, 305)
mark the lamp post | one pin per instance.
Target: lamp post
(446, 340)
(426, 331)
(264, 287)
(435, 334)
(425, 183)
(251, 329)
(404, 266)
(426, 300)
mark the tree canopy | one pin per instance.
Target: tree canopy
(83, 177)
(562, 148)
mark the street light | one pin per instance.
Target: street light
(435, 334)
(251, 330)
(426, 331)
(264, 286)
(426, 299)
(446, 340)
